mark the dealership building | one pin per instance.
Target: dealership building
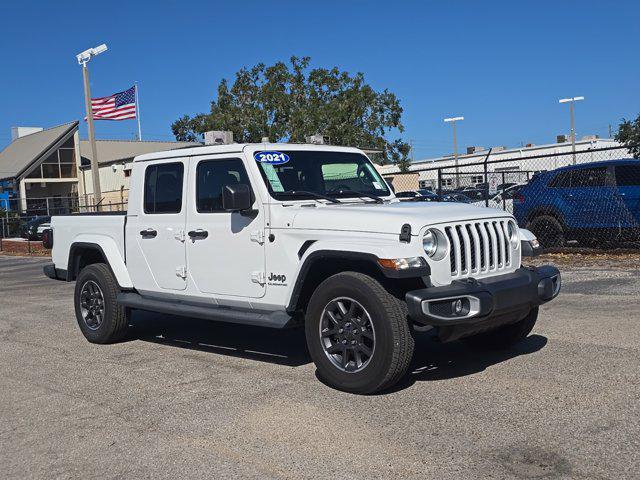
(40, 173)
(526, 161)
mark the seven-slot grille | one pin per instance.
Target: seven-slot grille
(479, 247)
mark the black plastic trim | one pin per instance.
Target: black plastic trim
(278, 319)
(54, 273)
(405, 233)
(73, 262)
(529, 250)
(339, 254)
(305, 246)
(523, 289)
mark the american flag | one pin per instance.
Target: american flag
(119, 106)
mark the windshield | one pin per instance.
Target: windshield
(336, 174)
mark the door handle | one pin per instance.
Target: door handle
(148, 233)
(198, 234)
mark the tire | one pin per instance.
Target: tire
(548, 230)
(386, 335)
(507, 336)
(96, 291)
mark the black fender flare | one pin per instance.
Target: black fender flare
(368, 258)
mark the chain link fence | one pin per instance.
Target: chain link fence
(589, 198)
(27, 217)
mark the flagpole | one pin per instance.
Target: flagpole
(138, 113)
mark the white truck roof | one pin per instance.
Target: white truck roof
(239, 147)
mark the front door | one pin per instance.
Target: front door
(155, 237)
(225, 250)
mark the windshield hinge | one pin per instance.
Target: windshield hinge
(181, 271)
(257, 236)
(258, 277)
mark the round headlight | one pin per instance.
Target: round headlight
(514, 238)
(430, 243)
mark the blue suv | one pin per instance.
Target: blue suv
(593, 203)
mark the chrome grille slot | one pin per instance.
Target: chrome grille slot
(478, 248)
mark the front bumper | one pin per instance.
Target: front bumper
(471, 306)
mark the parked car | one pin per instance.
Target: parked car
(421, 195)
(593, 203)
(278, 235)
(32, 230)
(503, 200)
(455, 197)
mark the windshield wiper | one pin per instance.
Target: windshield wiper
(361, 194)
(315, 195)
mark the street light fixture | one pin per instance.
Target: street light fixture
(571, 101)
(83, 59)
(453, 121)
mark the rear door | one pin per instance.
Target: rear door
(225, 250)
(155, 237)
(628, 194)
(593, 195)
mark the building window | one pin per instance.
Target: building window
(60, 164)
(127, 173)
(476, 179)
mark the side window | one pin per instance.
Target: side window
(562, 180)
(589, 177)
(163, 188)
(628, 175)
(211, 177)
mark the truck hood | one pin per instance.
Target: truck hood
(388, 218)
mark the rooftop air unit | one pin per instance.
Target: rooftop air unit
(218, 137)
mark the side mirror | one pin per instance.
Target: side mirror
(236, 198)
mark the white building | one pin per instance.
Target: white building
(424, 173)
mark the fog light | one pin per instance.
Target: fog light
(457, 306)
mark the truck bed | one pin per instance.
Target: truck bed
(68, 229)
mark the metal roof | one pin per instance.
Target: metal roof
(23, 152)
(112, 151)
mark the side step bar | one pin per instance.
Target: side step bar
(222, 314)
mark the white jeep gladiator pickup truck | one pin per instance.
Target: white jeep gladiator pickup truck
(276, 235)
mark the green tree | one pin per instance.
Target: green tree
(287, 102)
(629, 135)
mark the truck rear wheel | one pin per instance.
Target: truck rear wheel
(358, 334)
(99, 316)
(506, 336)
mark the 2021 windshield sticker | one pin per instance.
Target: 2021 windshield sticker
(271, 158)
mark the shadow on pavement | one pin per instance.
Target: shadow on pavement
(432, 360)
(281, 347)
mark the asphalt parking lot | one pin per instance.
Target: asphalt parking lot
(192, 399)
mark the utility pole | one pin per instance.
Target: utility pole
(571, 101)
(83, 59)
(454, 120)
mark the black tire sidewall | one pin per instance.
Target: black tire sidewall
(104, 333)
(367, 379)
(539, 223)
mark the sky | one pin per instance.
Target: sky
(501, 65)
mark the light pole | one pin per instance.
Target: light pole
(453, 121)
(83, 59)
(571, 101)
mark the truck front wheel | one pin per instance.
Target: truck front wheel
(358, 334)
(99, 316)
